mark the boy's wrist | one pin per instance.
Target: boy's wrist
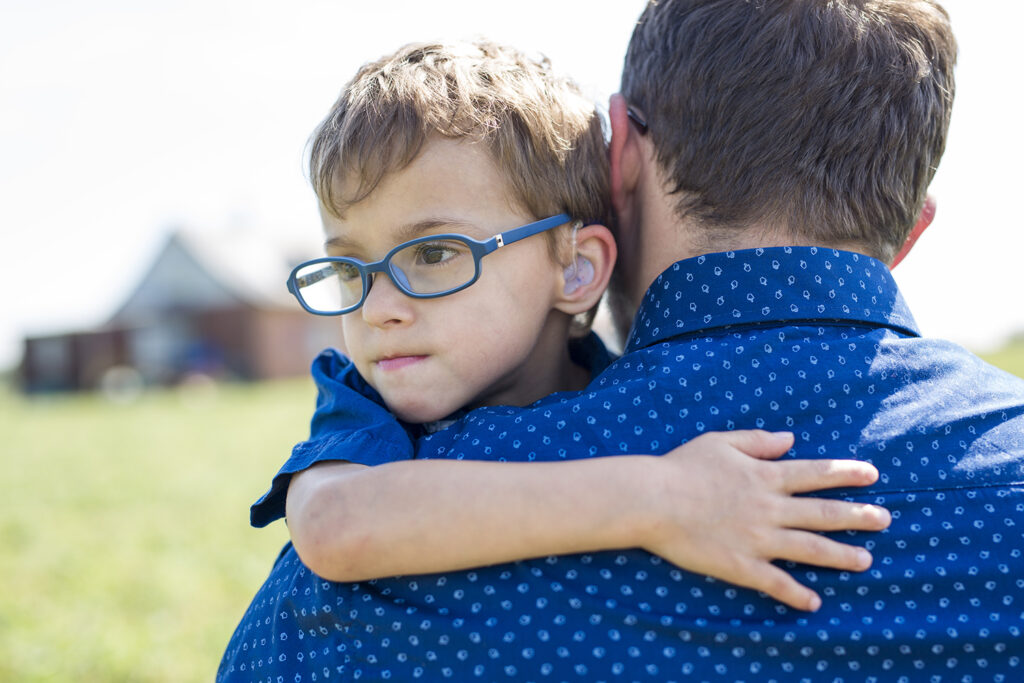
(638, 491)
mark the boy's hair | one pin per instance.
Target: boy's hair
(824, 117)
(545, 138)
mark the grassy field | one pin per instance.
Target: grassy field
(124, 536)
(1009, 358)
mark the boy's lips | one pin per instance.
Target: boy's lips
(397, 362)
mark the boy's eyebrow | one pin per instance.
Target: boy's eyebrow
(339, 242)
(411, 231)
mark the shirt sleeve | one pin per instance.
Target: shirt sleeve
(350, 424)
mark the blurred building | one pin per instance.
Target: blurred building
(211, 304)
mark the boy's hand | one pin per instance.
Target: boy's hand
(746, 514)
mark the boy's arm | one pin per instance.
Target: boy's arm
(350, 424)
(712, 506)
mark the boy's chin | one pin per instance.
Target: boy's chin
(420, 413)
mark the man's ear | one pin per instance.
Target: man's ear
(585, 279)
(623, 154)
(923, 221)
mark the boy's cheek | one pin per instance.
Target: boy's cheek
(340, 340)
(350, 331)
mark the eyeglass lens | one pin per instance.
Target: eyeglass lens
(430, 267)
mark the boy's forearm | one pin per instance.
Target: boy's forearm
(712, 506)
(351, 523)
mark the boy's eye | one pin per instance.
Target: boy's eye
(433, 266)
(435, 253)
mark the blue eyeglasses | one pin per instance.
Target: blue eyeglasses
(423, 268)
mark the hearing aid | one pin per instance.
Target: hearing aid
(579, 274)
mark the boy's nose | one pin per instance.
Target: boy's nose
(385, 304)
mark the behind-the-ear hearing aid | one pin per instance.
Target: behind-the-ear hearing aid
(580, 273)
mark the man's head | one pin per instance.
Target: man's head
(473, 140)
(821, 121)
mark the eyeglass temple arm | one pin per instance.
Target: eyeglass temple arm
(637, 120)
(496, 242)
(528, 230)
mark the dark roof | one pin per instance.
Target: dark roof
(214, 269)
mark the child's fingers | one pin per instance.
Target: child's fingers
(802, 476)
(756, 443)
(806, 547)
(778, 584)
(823, 514)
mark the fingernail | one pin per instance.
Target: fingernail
(815, 604)
(863, 558)
(782, 435)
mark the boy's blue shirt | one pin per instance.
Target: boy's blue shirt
(811, 340)
(351, 422)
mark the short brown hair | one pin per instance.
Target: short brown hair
(544, 136)
(828, 117)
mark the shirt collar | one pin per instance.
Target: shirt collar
(770, 285)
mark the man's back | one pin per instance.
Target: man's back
(814, 341)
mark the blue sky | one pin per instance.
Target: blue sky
(120, 120)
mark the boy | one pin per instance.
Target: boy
(432, 160)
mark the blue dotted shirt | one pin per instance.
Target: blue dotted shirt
(810, 340)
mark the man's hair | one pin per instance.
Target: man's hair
(545, 138)
(826, 118)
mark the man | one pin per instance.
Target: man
(768, 161)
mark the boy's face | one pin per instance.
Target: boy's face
(500, 341)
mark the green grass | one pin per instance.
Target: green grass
(1009, 357)
(125, 547)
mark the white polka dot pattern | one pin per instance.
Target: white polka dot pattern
(814, 341)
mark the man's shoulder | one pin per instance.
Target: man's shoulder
(945, 365)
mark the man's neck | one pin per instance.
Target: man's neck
(761, 237)
(663, 242)
(652, 237)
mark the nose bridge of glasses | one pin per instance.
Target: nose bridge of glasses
(388, 267)
(399, 277)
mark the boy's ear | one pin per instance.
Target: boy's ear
(923, 221)
(584, 280)
(623, 154)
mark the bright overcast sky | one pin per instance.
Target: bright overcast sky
(121, 119)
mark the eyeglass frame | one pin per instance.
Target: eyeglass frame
(637, 119)
(478, 248)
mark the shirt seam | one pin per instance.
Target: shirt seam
(782, 322)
